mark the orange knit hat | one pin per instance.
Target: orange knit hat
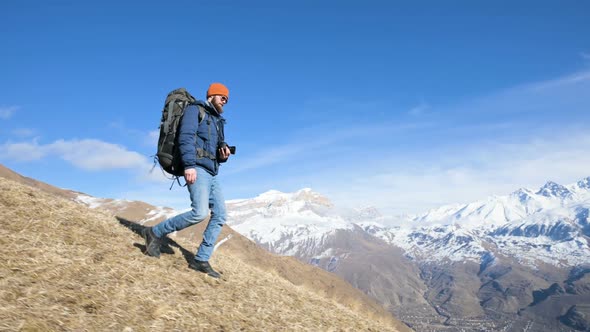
(217, 89)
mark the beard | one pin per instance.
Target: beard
(218, 107)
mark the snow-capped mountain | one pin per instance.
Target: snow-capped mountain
(491, 264)
(548, 225)
(552, 189)
(289, 224)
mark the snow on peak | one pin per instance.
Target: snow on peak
(552, 189)
(584, 183)
(523, 195)
(300, 207)
(271, 195)
(311, 196)
(497, 210)
(274, 196)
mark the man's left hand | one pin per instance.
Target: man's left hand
(224, 153)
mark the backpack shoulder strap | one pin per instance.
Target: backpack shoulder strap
(202, 113)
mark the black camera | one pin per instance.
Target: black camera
(232, 149)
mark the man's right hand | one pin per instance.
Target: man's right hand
(190, 175)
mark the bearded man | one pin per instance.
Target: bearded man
(202, 148)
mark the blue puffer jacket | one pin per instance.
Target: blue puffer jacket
(198, 142)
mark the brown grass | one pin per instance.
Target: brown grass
(64, 267)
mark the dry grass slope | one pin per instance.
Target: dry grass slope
(64, 267)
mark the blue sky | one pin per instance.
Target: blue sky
(401, 105)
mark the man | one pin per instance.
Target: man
(202, 148)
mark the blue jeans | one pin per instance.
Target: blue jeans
(205, 194)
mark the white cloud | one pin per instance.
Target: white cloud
(87, 154)
(96, 155)
(7, 112)
(26, 151)
(90, 155)
(401, 185)
(568, 80)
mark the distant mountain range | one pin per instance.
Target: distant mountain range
(479, 265)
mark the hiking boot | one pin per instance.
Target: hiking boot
(203, 267)
(152, 242)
